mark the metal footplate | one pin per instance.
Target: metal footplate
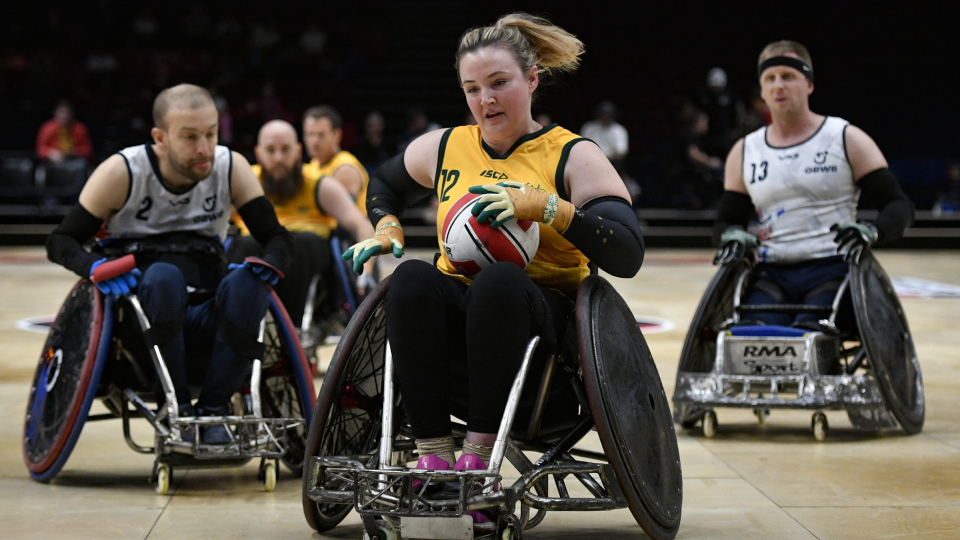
(390, 492)
(251, 437)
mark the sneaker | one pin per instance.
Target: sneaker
(430, 462)
(185, 410)
(472, 462)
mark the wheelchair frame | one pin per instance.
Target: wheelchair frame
(381, 489)
(855, 390)
(266, 437)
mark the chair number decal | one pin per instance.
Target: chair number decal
(450, 176)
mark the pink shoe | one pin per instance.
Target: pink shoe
(430, 462)
(472, 462)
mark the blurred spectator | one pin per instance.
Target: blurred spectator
(372, 150)
(417, 124)
(614, 140)
(269, 106)
(313, 39)
(63, 137)
(722, 111)
(754, 118)
(610, 136)
(948, 198)
(696, 177)
(226, 121)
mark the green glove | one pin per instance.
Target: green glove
(388, 238)
(853, 238)
(734, 244)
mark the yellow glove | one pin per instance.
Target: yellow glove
(506, 200)
(389, 237)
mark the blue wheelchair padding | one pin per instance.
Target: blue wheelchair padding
(761, 330)
(304, 382)
(90, 393)
(342, 274)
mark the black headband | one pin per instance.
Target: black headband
(788, 61)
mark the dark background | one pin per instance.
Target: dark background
(891, 69)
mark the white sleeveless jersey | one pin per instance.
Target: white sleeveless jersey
(799, 192)
(152, 209)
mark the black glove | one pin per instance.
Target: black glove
(853, 238)
(734, 245)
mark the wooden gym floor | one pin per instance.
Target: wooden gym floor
(770, 481)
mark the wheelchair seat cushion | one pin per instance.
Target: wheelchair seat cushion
(767, 330)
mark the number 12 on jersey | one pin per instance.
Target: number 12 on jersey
(763, 172)
(449, 176)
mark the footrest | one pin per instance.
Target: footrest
(439, 528)
(762, 330)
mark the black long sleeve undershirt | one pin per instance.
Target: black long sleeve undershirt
(277, 242)
(881, 189)
(735, 209)
(65, 243)
(607, 232)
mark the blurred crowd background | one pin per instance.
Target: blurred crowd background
(665, 87)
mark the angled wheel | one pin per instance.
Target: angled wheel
(883, 329)
(700, 346)
(346, 421)
(286, 387)
(66, 380)
(630, 409)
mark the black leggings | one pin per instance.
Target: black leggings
(457, 348)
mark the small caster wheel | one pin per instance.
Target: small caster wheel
(162, 479)
(709, 424)
(761, 415)
(385, 531)
(820, 426)
(269, 475)
(509, 527)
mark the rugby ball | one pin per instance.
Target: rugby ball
(472, 246)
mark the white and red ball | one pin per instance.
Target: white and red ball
(472, 246)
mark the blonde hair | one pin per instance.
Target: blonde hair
(778, 48)
(534, 41)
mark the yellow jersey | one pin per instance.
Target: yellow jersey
(300, 213)
(538, 159)
(338, 160)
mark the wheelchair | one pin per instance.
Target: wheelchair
(96, 348)
(859, 358)
(360, 445)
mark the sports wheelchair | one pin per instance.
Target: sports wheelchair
(859, 358)
(359, 451)
(96, 348)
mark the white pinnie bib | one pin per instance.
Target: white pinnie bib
(152, 209)
(799, 192)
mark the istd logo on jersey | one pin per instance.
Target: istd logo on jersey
(210, 203)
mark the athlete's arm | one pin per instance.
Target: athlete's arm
(104, 193)
(258, 215)
(878, 185)
(405, 178)
(735, 208)
(350, 178)
(604, 226)
(333, 199)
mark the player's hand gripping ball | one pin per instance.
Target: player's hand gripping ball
(472, 246)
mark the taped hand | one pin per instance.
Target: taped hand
(734, 245)
(507, 200)
(388, 238)
(117, 285)
(853, 238)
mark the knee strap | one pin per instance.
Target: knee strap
(163, 333)
(238, 340)
(771, 289)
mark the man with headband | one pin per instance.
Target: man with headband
(796, 183)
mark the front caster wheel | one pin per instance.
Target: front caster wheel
(268, 474)
(709, 424)
(162, 479)
(820, 426)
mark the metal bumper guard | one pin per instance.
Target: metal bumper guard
(389, 492)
